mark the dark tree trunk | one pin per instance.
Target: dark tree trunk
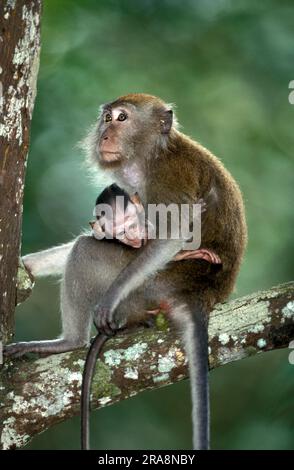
(19, 63)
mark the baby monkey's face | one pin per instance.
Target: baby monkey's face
(125, 225)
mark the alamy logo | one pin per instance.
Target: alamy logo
(171, 221)
(291, 94)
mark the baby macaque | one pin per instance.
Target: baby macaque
(120, 217)
(124, 220)
(124, 223)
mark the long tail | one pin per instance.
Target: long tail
(197, 349)
(88, 373)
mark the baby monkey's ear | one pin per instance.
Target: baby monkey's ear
(97, 231)
(135, 198)
(92, 223)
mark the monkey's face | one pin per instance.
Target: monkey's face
(127, 226)
(130, 127)
(115, 134)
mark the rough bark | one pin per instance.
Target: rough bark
(19, 62)
(38, 393)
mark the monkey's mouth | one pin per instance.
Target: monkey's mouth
(134, 242)
(109, 157)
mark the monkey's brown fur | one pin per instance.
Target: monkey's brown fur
(185, 175)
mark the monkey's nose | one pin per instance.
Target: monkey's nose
(105, 138)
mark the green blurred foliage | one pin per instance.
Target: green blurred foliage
(227, 66)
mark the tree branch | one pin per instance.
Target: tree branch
(38, 393)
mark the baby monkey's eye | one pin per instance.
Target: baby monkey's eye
(120, 234)
(122, 117)
(107, 117)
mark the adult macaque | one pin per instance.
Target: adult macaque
(137, 141)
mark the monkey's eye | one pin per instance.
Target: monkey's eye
(107, 117)
(120, 234)
(122, 117)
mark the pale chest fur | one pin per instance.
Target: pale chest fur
(131, 178)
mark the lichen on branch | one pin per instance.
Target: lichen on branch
(37, 393)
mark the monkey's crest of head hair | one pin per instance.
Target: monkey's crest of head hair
(141, 100)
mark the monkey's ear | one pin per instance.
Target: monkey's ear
(96, 227)
(97, 230)
(166, 121)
